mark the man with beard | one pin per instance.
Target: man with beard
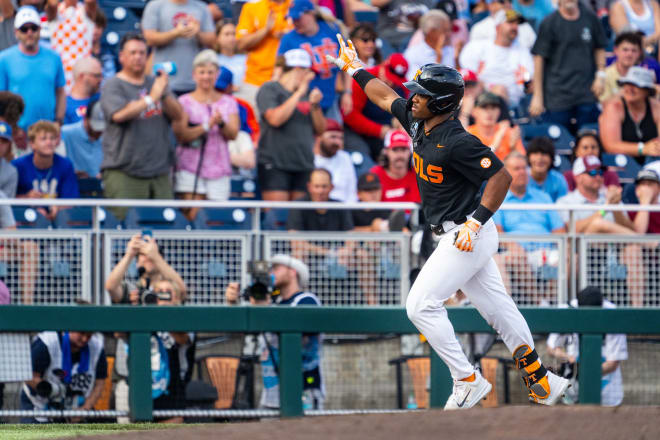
(396, 175)
(330, 155)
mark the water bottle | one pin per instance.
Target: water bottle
(412, 404)
(168, 67)
(307, 402)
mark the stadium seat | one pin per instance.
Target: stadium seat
(275, 220)
(560, 135)
(243, 188)
(155, 218)
(29, 218)
(90, 188)
(227, 219)
(361, 162)
(366, 16)
(626, 167)
(562, 163)
(222, 371)
(80, 217)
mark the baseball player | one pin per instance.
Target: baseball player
(451, 165)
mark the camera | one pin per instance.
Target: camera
(59, 394)
(146, 296)
(262, 282)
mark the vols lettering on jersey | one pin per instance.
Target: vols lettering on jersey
(430, 173)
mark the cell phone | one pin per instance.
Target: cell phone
(147, 233)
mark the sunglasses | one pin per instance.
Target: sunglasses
(367, 39)
(594, 173)
(28, 27)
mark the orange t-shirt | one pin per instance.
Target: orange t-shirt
(505, 147)
(261, 58)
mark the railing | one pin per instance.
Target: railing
(291, 323)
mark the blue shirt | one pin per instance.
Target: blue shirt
(35, 78)
(528, 222)
(76, 108)
(57, 182)
(85, 153)
(324, 42)
(555, 185)
(534, 13)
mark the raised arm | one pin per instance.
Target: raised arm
(376, 90)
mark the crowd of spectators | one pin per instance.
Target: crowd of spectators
(200, 95)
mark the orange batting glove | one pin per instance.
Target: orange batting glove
(347, 60)
(468, 234)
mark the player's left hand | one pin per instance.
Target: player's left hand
(347, 60)
(466, 237)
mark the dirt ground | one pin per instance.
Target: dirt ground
(510, 423)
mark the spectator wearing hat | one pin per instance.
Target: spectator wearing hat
(500, 136)
(501, 63)
(367, 120)
(33, 71)
(87, 76)
(82, 140)
(178, 30)
(629, 123)
(203, 166)
(318, 38)
(541, 157)
(330, 154)
(646, 192)
(485, 29)
(587, 143)
(375, 220)
(435, 47)
(291, 116)
(569, 63)
(258, 32)
(8, 173)
(628, 50)
(140, 110)
(396, 174)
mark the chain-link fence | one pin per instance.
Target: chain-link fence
(625, 268)
(206, 261)
(350, 269)
(46, 267)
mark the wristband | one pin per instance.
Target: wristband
(362, 77)
(482, 214)
(601, 74)
(206, 127)
(602, 213)
(149, 101)
(640, 148)
(221, 125)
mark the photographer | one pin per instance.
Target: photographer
(152, 267)
(282, 284)
(69, 372)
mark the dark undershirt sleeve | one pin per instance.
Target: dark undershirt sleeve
(400, 111)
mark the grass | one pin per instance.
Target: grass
(47, 431)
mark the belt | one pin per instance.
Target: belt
(445, 227)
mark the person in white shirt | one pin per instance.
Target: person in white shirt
(330, 154)
(566, 349)
(501, 62)
(485, 29)
(435, 47)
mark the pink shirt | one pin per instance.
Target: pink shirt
(216, 162)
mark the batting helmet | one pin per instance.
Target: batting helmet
(443, 84)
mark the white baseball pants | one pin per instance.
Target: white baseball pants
(477, 275)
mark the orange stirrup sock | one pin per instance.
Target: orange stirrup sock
(471, 378)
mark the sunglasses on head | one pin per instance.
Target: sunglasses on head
(28, 27)
(594, 173)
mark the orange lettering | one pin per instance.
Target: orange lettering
(421, 170)
(416, 162)
(435, 174)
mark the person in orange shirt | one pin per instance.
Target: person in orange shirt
(260, 27)
(499, 136)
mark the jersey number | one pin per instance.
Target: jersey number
(431, 173)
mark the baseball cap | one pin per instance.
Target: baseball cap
(333, 125)
(397, 138)
(5, 131)
(396, 67)
(469, 76)
(295, 264)
(646, 174)
(640, 77)
(299, 7)
(225, 79)
(368, 182)
(26, 14)
(96, 117)
(297, 58)
(486, 99)
(590, 296)
(508, 15)
(586, 164)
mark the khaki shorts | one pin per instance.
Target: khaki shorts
(119, 185)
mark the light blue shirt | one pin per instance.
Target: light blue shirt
(85, 153)
(36, 78)
(534, 13)
(555, 185)
(528, 222)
